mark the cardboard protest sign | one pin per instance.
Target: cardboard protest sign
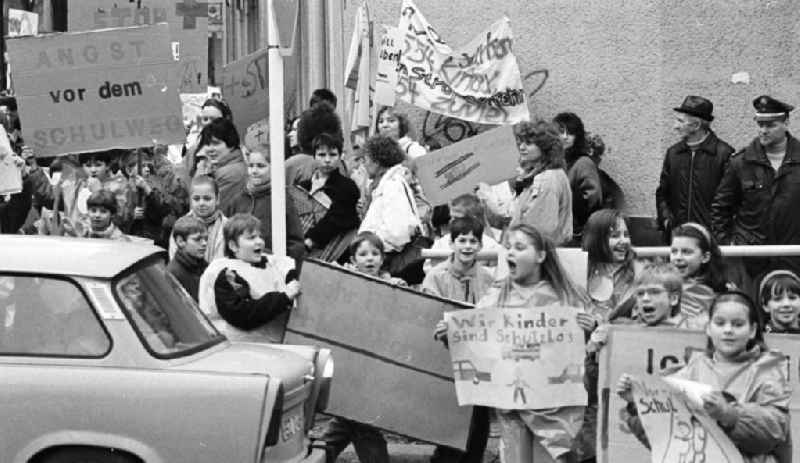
(478, 82)
(456, 169)
(528, 358)
(639, 351)
(245, 85)
(10, 176)
(21, 22)
(188, 29)
(390, 372)
(90, 91)
(386, 74)
(677, 430)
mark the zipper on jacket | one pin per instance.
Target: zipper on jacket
(691, 182)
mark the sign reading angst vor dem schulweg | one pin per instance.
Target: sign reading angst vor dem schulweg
(91, 91)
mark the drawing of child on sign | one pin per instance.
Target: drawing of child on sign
(519, 386)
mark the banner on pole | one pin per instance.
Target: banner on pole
(188, 28)
(478, 82)
(390, 372)
(639, 351)
(528, 358)
(677, 428)
(245, 86)
(97, 90)
(456, 169)
(388, 58)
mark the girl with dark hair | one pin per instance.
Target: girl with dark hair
(779, 295)
(695, 253)
(219, 143)
(543, 196)
(751, 393)
(395, 125)
(582, 171)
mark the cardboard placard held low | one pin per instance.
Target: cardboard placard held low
(529, 358)
(389, 371)
(637, 351)
(489, 157)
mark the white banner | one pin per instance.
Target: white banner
(479, 82)
(517, 358)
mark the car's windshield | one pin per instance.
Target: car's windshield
(164, 315)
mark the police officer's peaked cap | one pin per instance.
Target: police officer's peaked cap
(770, 109)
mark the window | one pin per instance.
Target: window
(164, 315)
(48, 316)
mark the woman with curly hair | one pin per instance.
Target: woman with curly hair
(543, 196)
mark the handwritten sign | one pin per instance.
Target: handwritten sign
(10, 176)
(188, 28)
(517, 358)
(90, 91)
(388, 58)
(676, 429)
(456, 169)
(21, 22)
(390, 372)
(245, 85)
(478, 82)
(639, 351)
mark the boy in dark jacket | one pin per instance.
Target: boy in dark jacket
(188, 264)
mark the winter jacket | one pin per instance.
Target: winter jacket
(470, 286)
(587, 192)
(246, 310)
(696, 298)
(610, 286)
(14, 212)
(762, 395)
(230, 174)
(689, 180)
(259, 204)
(546, 205)
(756, 205)
(392, 213)
(342, 215)
(187, 270)
(555, 428)
(299, 169)
(150, 226)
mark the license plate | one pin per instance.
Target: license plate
(292, 424)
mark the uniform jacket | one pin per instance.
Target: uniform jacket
(546, 205)
(443, 281)
(187, 270)
(762, 393)
(587, 192)
(231, 177)
(392, 212)
(689, 180)
(342, 216)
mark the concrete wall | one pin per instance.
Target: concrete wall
(623, 64)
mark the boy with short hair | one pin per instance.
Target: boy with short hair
(188, 264)
(658, 290)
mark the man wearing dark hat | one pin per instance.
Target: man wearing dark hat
(692, 169)
(757, 200)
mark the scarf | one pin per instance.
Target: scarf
(525, 180)
(191, 263)
(210, 220)
(256, 189)
(111, 233)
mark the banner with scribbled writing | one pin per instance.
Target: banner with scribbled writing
(188, 29)
(478, 82)
(677, 428)
(97, 90)
(638, 351)
(517, 358)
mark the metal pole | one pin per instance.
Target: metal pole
(277, 176)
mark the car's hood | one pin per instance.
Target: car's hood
(249, 358)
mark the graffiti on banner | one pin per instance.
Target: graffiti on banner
(188, 27)
(388, 58)
(528, 358)
(639, 351)
(677, 428)
(490, 157)
(479, 82)
(245, 85)
(97, 90)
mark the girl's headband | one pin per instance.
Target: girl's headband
(703, 231)
(774, 274)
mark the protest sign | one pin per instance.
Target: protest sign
(390, 372)
(478, 82)
(386, 74)
(677, 430)
(188, 28)
(21, 22)
(528, 358)
(10, 176)
(90, 91)
(245, 85)
(490, 157)
(192, 104)
(639, 351)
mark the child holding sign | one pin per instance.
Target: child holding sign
(536, 279)
(751, 394)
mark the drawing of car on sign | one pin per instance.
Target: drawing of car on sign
(465, 371)
(519, 352)
(571, 374)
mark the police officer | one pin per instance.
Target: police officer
(756, 201)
